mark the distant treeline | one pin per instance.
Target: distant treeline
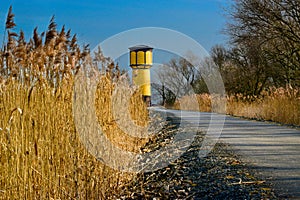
(264, 46)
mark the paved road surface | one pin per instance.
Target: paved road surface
(272, 149)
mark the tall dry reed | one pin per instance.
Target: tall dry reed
(41, 155)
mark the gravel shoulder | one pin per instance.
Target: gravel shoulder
(220, 175)
(253, 160)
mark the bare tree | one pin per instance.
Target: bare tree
(220, 56)
(178, 78)
(273, 26)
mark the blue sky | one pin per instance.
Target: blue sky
(95, 21)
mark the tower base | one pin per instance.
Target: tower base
(147, 100)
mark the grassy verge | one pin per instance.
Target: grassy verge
(278, 105)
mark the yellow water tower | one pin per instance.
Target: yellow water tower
(141, 62)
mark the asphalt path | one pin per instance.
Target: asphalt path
(271, 149)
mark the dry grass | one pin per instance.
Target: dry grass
(41, 156)
(278, 105)
(137, 114)
(200, 102)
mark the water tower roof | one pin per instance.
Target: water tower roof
(140, 47)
